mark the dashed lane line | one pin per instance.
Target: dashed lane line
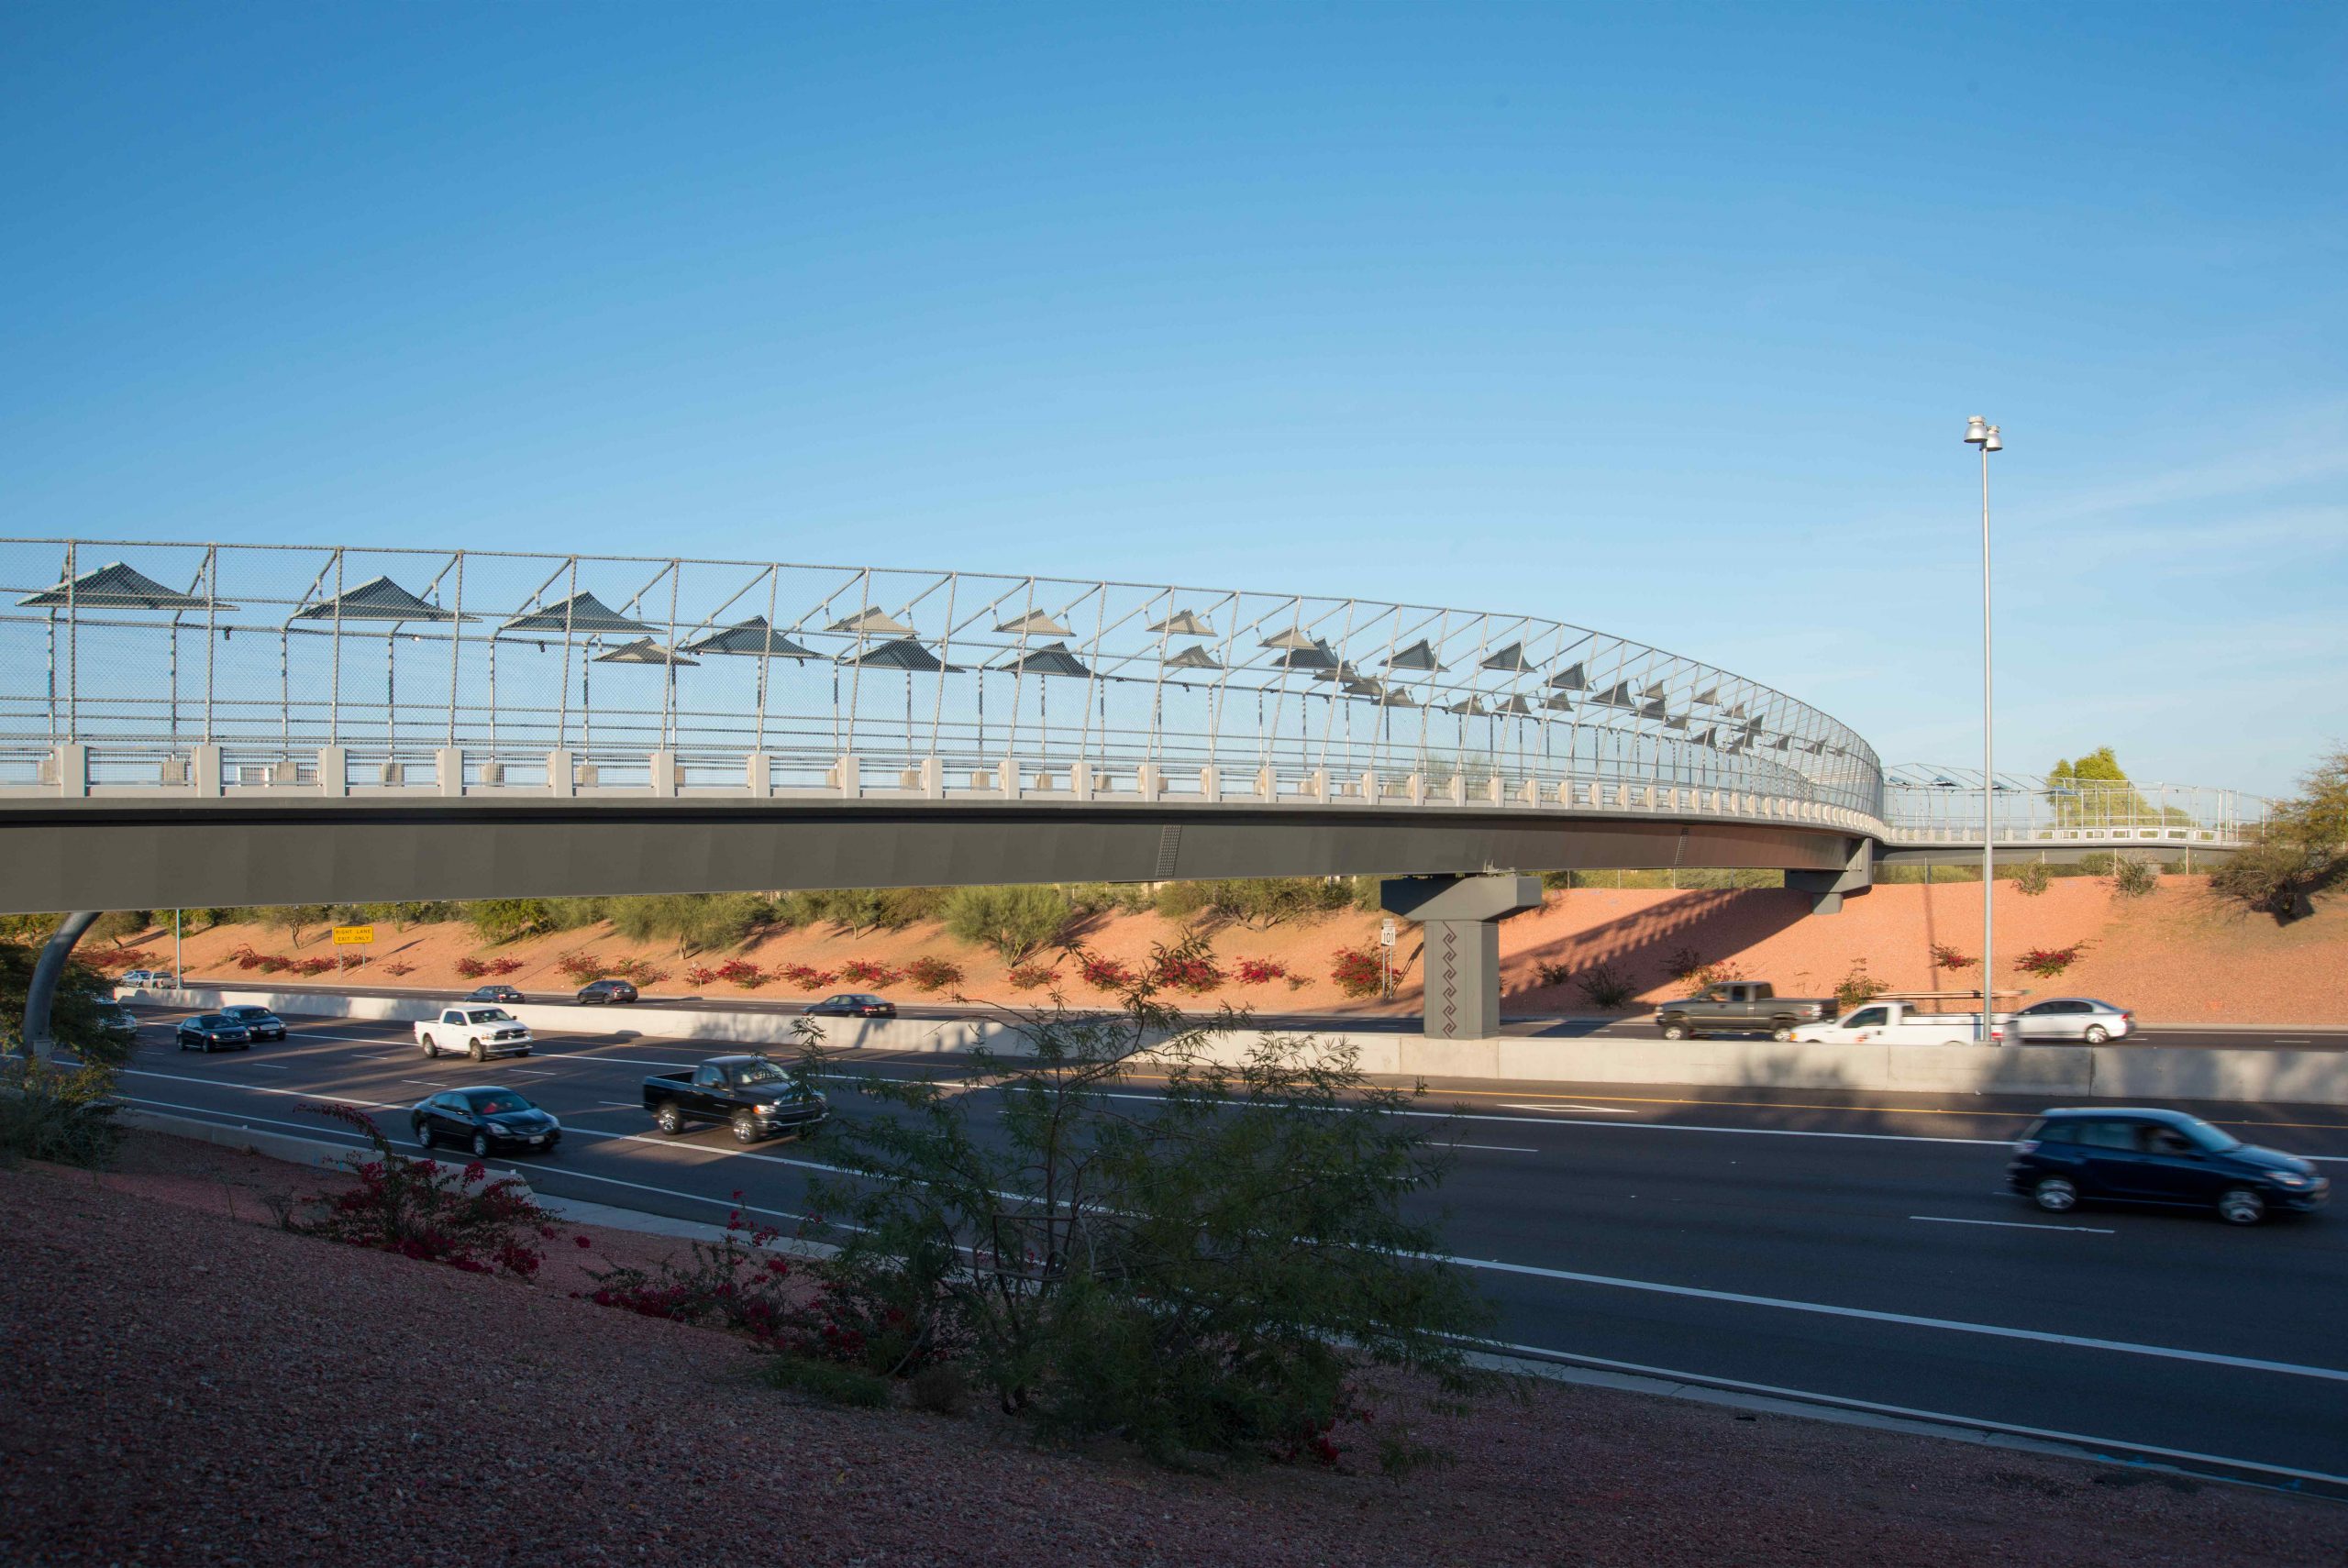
(2011, 1224)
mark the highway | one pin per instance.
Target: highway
(1850, 1248)
(2301, 1037)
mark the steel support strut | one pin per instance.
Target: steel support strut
(48, 969)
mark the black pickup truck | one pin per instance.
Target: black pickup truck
(1738, 1006)
(760, 1097)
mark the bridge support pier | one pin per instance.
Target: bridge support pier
(1461, 916)
(48, 969)
(1826, 887)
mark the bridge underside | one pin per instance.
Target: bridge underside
(102, 854)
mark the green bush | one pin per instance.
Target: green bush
(695, 922)
(1602, 985)
(2135, 879)
(2033, 880)
(60, 1115)
(833, 1382)
(1207, 1273)
(505, 920)
(1012, 920)
(1858, 986)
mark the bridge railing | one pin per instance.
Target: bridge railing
(1937, 806)
(145, 650)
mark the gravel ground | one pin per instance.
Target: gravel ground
(184, 1383)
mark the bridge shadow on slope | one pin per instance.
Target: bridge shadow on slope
(1716, 925)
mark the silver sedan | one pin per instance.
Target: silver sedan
(2073, 1018)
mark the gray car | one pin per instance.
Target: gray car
(2073, 1018)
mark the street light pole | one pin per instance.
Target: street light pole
(1980, 433)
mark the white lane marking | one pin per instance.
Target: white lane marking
(623, 1104)
(256, 1088)
(1495, 1148)
(535, 1072)
(553, 1170)
(1705, 1380)
(1600, 1109)
(270, 1066)
(2011, 1224)
(1906, 1319)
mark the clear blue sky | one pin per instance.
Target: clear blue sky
(1665, 320)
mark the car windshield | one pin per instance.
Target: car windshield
(2206, 1137)
(759, 1072)
(214, 1020)
(489, 1015)
(495, 1102)
(249, 1012)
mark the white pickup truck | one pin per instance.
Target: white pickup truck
(1900, 1023)
(479, 1033)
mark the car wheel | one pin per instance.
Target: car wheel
(746, 1127)
(2056, 1194)
(671, 1120)
(1674, 1031)
(2241, 1205)
(182, 1039)
(1782, 1033)
(431, 1050)
(2096, 1035)
(481, 1145)
(423, 1133)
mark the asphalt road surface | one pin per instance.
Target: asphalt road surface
(1859, 1249)
(2304, 1038)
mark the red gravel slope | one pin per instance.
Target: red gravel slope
(181, 1386)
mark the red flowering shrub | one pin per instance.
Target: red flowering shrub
(865, 972)
(733, 1282)
(121, 958)
(701, 975)
(647, 974)
(743, 973)
(472, 968)
(581, 966)
(1947, 957)
(505, 965)
(1259, 971)
(1028, 976)
(247, 959)
(930, 974)
(270, 964)
(426, 1211)
(2048, 962)
(1358, 971)
(1104, 974)
(1186, 971)
(397, 968)
(806, 977)
(317, 964)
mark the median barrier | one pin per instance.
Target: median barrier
(2098, 1071)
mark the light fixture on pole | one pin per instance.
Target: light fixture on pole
(1980, 433)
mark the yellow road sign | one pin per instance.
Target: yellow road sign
(353, 935)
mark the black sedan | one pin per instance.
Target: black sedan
(2131, 1155)
(495, 994)
(486, 1121)
(258, 1022)
(607, 991)
(213, 1031)
(854, 1004)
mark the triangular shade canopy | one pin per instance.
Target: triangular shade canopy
(1418, 656)
(1359, 685)
(1653, 689)
(1653, 708)
(1571, 678)
(1469, 704)
(873, 622)
(1311, 656)
(1511, 658)
(579, 612)
(115, 587)
(753, 639)
(1182, 624)
(1735, 713)
(902, 652)
(1618, 697)
(1816, 748)
(644, 651)
(1035, 624)
(1710, 696)
(1781, 743)
(1561, 702)
(1395, 697)
(1052, 658)
(377, 599)
(1192, 657)
(1344, 671)
(1676, 721)
(1517, 706)
(1294, 639)
(1705, 737)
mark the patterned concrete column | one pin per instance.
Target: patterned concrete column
(1461, 916)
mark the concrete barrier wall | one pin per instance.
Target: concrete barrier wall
(2105, 1071)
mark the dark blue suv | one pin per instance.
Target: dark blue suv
(2125, 1155)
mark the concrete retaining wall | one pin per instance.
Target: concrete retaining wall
(2105, 1071)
